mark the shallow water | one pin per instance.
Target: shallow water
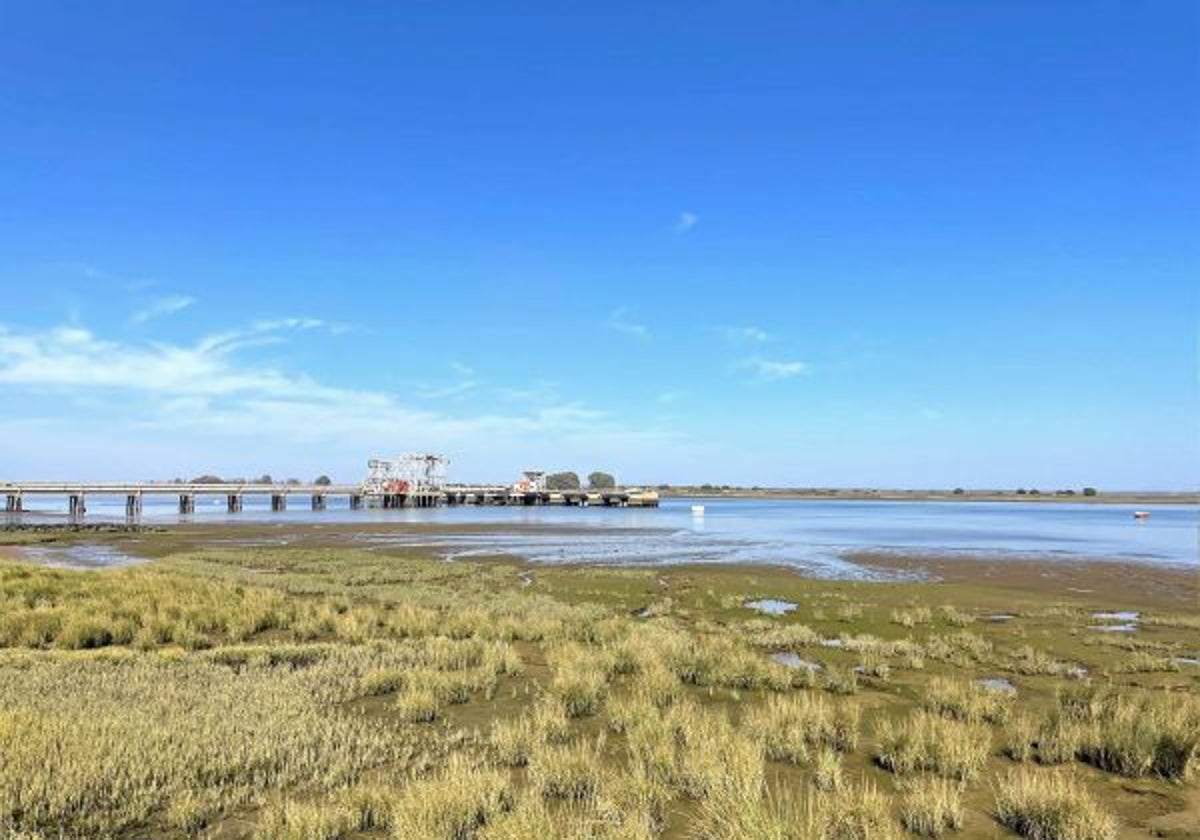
(771, 606)
(792, 660)
(82, 556)
(811, 534)
(1123, 615)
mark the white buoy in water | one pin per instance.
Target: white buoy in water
(697, 510)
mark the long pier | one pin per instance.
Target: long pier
(77, 494)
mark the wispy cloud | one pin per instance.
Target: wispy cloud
(745, 335)
(288, 324)
(774, 370)
(215, 386)
(619, 321)
(686, 221)
(161, 307)
(466, 382)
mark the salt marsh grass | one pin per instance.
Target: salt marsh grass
(955, 617)
(912, 616)
(580, 681)
(1135, 734)
(338, 694)
(858, 813)
(926, 742)
(419, 704)
(827, 769)
(568, 771)
(453, 804)
(515, 740)
(1051, 806)
(931, 807)
(966, 700)
(75, 758)
(791, 727)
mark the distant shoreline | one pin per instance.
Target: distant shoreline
(864, 495)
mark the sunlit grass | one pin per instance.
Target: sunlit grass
(929, 743)
(1051, 806)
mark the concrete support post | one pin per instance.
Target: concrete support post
(78, 506)
(233, 503)
(318, 501)
(133, 508)
(356, 501)
(13, 503)
(187, 504)
(279, 502)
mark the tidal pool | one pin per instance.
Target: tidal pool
(792, 660)
(997, 684)
(84, 556)
(771, 606)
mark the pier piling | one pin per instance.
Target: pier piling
(360, 496)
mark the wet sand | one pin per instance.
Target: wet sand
(1106, 580)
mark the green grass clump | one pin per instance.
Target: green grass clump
(1050, 806)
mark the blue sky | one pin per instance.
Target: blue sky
(893, 244)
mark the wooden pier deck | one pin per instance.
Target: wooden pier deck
(77, 494)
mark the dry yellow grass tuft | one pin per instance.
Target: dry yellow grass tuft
(929, 743)
(450, 805)
(931, 807)
(569, 771)
(966, 700)
(75, 758)
(792, 726)
(1046, 805)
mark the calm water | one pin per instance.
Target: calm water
(813, 534)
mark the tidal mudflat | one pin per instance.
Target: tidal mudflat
(299, 683)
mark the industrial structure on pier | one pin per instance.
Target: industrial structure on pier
(413, 480)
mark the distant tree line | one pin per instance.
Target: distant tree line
(570, 481)
(265, 478)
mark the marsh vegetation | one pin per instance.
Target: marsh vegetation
(317, 692)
